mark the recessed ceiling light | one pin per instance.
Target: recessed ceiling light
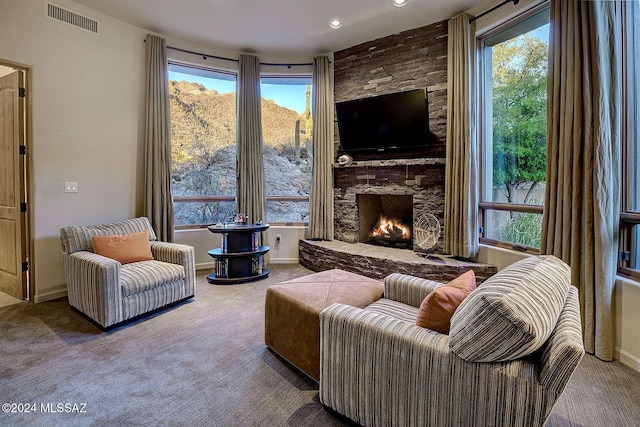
(399, 3)
(335, 24)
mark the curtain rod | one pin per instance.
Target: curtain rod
(515, 2)
(206, 56)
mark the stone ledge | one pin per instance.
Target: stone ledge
(378, 262)
(391, 163)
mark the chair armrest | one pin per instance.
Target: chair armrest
(176, 253)
(564, 348)
(93, 286)
(407, 289)
(377, 370)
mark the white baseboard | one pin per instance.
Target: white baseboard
(205, 266)
(628, 359)
(284, 260)
(60, 292)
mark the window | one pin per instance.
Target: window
(629, 263)
(203, 144)
(514, 131)
(286, 130)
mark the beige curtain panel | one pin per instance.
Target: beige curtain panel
(250, 198)
(158, 201)
(250, 172)
(461, 190)
(321, 199)
(582, 202)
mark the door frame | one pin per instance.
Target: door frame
(26, 181)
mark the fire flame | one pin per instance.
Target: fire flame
(388, 227)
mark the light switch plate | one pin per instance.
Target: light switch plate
(70, 187)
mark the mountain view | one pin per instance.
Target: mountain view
(203, 135)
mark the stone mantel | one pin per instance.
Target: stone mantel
(391, 163)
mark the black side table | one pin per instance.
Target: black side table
(240, 258)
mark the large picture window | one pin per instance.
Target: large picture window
(286, 129)
(203, 144)
(513, 118)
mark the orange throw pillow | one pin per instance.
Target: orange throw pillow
(125, 248)
(437, 308)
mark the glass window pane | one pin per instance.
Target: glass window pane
(294, 212)
(518, 228)
(635, 248)
(203, 135)
(517, 128)
(190, 213)
(288, 154)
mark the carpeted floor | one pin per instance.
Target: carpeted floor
(204, 363)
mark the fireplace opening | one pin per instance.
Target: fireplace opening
(386, 220)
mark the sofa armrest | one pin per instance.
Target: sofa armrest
(183, 255)
(564, 348)
(93, 286)
(407, 289)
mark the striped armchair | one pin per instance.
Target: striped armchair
(379, 369)
(109, 292)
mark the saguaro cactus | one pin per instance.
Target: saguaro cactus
(297, 139)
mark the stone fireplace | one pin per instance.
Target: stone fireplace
(405, 189)
(408, 60)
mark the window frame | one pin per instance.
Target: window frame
(630, 217)
(485, 141)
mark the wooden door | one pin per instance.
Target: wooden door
(12, 239)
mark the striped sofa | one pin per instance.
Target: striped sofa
(109, 292)
(514, 343)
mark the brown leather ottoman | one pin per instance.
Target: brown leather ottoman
(292, 309)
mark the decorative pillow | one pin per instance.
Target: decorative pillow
(125, 248)
(438, 306)
(513, 313)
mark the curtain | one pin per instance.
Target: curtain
(582, 199)
(158, 201)
(321, 199)
(250, 198)
(461, 190)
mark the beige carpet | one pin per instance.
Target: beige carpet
(204, 363)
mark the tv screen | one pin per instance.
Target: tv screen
(385, 123)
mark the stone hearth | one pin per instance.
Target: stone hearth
(378, 262)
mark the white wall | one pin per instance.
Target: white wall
(86, 96)
(627, 322)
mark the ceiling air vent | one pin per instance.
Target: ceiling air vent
(69, 17)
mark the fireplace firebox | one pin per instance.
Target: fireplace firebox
(386, 220)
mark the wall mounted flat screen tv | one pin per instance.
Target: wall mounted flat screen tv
(394, 122)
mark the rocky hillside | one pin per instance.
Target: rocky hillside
(203, 138)
(206, 115)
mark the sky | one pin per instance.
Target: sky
(287, 95)
(542, 33)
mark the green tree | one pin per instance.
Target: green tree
(519, 115)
